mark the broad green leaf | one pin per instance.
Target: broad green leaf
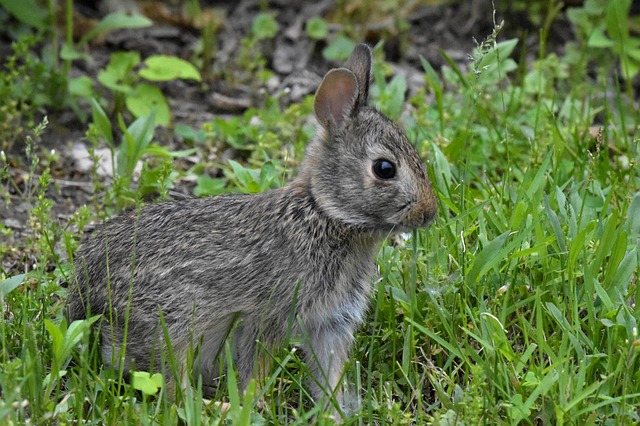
(232, 381)
(145, 98)
(165, 68)
(339, 49)
(517, 408)
(399, 295)
(69, 52)
(81, 86)
(135, 140)
(115, 21)
(102, 122)
(603, 296)
(75, 333)
(142, 131)
(264, 26)
(578, 244)
(442, 169)
(57, 340)
(629, 65)
(599, 40)
(454, 349)
(633, 216)
(394, 95)
(209, 186)
(47, 379)
(617, 253)
(431, 75)
(146, 383)
(118, 75)
(317, 28)
(245, 415)
(545, 384)
(189, 133)
(608, 238)
(244, 177)
(267, 174)
(28, 12)
(10, 284)
(555, 224)
(617, 18)
(487, 258)
(433, 80)
(518, 215)
(501, 52)
(555, 312)
(622, 278)
(535, 81)
(539, 179)
(162, 151)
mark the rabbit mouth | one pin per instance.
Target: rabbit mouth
(411, 216)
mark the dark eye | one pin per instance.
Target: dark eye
(384, 169)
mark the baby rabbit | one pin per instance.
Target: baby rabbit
(296, 261)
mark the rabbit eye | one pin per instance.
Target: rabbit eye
(384, 169)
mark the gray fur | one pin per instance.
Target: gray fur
(305, 251)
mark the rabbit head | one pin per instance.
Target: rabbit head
(361, 167)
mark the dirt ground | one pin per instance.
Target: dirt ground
(297, 61)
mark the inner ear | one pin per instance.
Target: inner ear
(360, 63)
(336, 98)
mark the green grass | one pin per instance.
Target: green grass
(518, 306)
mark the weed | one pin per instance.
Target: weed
(142, 98)
(603, 27)
(28, 85)
(250, 59)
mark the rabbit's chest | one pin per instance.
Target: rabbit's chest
(340, 299)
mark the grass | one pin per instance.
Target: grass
(518, 306)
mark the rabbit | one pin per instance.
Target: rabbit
(294, 261)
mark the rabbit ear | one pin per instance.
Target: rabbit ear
(336, 98)
(360, 63)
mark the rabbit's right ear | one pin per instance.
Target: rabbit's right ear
(336, 98)
(360, 63)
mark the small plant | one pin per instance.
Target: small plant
(64, 339)
(136, 142)
(28, 87)
(317, 28)
(390, 96)
(138, 97)
(604, 28)
(53, 90)
(252, 180)
(250, 58)
(338, 49)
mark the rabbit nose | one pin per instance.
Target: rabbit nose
(427, 207)
(422, 213)
(425, 215)
(429, 215)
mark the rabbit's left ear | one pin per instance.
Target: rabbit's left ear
(360, 64)
(336, 98)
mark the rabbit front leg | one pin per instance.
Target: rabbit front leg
(326, 353)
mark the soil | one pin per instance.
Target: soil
(296, 60)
